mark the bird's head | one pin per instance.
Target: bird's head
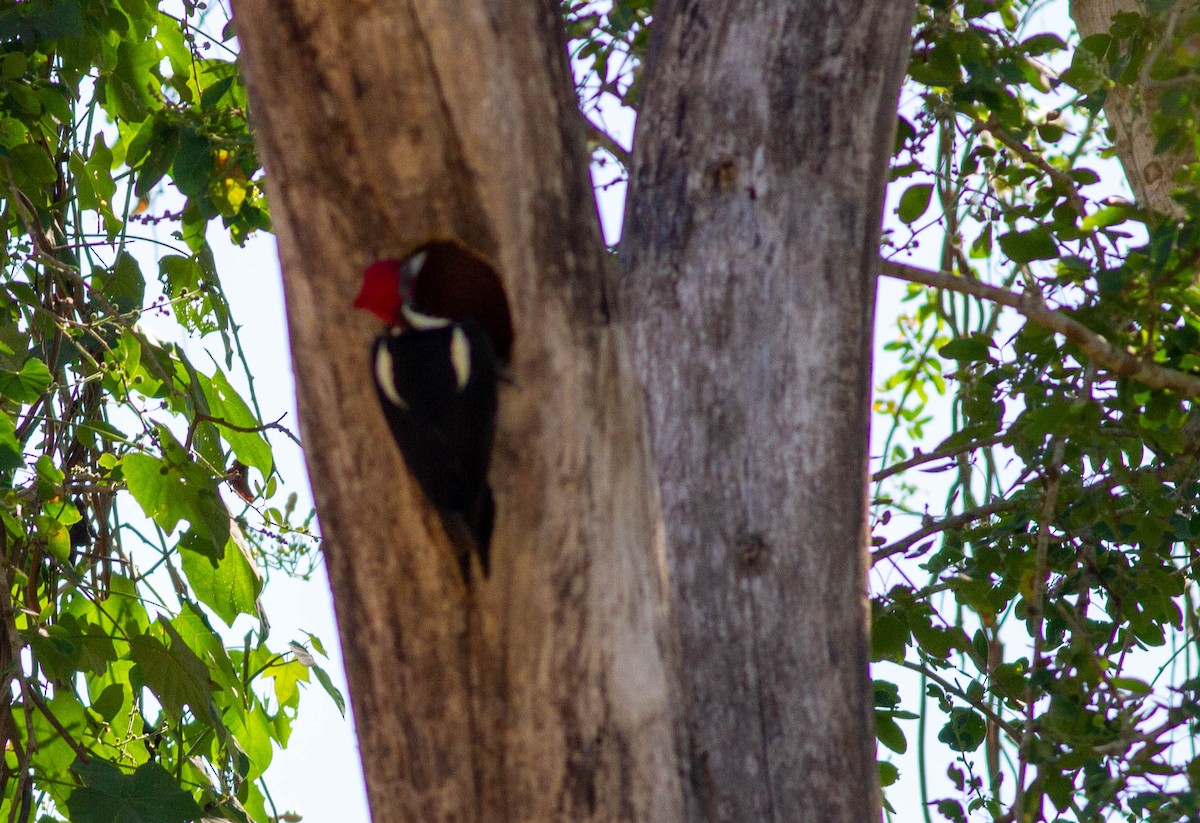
(440, 281)
(389, 286)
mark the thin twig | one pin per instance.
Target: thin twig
(939, 454)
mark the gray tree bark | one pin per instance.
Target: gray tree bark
(545, 692)
(1129, 110)
(751, 239)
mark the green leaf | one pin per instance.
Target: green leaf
(287, 677)
(31, 166)
(13, 65)
(59, 18)
(1086, 72)
(889, 638)
(252, 729)
(57, 537)
(251, 448)
(1105, 217)
(177, 488)
(129, 86)
(12, 456)
(26, 385)
(1132, 684)
(1027, 246)
(192, 163)
(968, 349)
(1041, 44)
(176, 675)
(889, 733)
(914, 202)
(161, 145)
(125, 287)
(110, 701)
(964, 732)
(149, 795)
(155, 489)
(229, 585)
(330, 689)
(888, 773)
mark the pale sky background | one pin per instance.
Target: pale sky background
(319, 775)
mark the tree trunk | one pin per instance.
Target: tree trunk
(1129, 110)
(545, 692)
(751, 238)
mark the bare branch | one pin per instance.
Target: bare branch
(920, 458)
(932, 527)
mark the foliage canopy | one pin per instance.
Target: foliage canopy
(123, 139)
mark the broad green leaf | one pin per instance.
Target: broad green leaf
(252, 729)
(1027, 246)
(1132, 684)
(889, 638)
(176, 675)
(287, 676)
(192, 163)
(129, 85)
(194, 627)
(1086, 72)
(1040, 44)
(149, 795)
(1105, 217)
(26, 385)
(125, 287)
(177, 488)
(967, 349)
(229, 585)
(225, 403)
(161, 144)
(110, 701)
(56, 536)
(888, 773)
(157, 489)
(31, 166)
(13, 65)
(58, 18)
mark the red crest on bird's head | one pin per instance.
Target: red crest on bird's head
(380, 292)
(387, 285)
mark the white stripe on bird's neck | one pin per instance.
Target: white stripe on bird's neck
(421, 322)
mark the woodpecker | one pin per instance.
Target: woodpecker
(436, 372)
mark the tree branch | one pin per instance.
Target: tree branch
(1095, 348)
(920, 458)
(932, 527)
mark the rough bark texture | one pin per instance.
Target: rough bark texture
(1129, 111)
(542, 693)
(750, 241)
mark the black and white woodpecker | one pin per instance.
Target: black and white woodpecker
(436, 370)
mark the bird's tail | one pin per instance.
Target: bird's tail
(471, 533)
